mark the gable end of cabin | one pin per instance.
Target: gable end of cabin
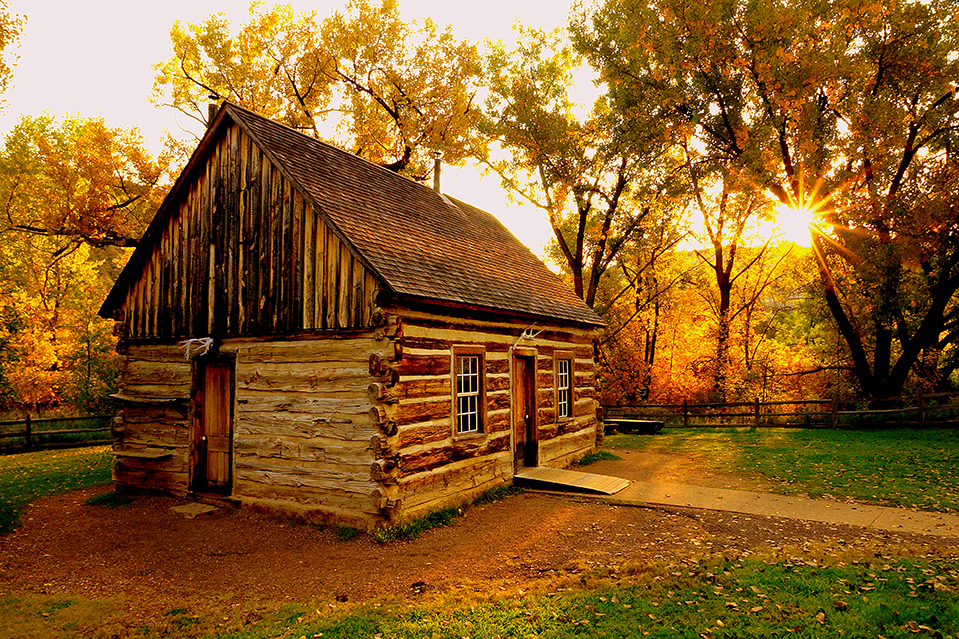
(242, 252)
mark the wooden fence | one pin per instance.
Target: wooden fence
(40, 432)
(929, 409)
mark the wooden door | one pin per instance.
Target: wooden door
(213, 428)
(525, 444)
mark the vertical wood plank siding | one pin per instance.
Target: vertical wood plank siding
(245, 254)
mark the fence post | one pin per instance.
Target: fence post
(685, 413)
(835, 416)
(756, 412)
(28, 433)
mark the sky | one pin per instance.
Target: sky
(94, 58)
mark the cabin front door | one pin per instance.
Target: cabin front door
(525, 444)
(212, 446)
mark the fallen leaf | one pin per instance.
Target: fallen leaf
(755, 609)
(840, 605)
(821, 618)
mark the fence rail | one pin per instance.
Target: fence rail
(36, 432)
(921, 409)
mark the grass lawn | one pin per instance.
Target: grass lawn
(818, 590)
(26, 476)
(894, 467)
(821, 592)
(798, 597)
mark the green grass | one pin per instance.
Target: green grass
(800, 597)
(894, 467)
(416, 527)
(346, 533)
(444, 517)
(812, 593)
(600, 455)
(26, 476)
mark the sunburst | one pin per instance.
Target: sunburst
(802, 217)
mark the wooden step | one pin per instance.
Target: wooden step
(561, 479)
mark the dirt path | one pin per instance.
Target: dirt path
(158, 560)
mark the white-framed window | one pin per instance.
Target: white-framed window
(564, 385)
(469, 389)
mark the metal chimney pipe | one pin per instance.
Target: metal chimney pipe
(437, 167)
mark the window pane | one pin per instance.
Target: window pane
(467, 393)
(564, 388)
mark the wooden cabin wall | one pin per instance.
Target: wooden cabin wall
(301, 424)
(354, 426)
(422, 464)
(302, 428)
(243, 253)
(152, 431)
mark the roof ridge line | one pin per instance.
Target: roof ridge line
(330, 146)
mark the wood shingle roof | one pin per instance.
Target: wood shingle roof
(422, 245)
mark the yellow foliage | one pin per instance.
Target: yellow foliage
(396, 91)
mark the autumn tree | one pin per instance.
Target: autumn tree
(635, 304)
(11, 26)
(79, 181)
(390, 91)
(74, 193)
(844, 107)
(54, 350)
(597, 179)
(728, 212)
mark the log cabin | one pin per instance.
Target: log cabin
(306, 333)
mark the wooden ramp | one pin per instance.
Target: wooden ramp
(559, 479)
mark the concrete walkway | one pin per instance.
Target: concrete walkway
(820, 510)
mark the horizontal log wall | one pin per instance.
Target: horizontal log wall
(156, 382)
(301, 425)
(302, 429)
(357, 427)
(424, 466)
(243, 253)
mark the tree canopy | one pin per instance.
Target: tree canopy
(390, 91)
(79, 180)
(11, 26)
(599, 180)
(844, 107)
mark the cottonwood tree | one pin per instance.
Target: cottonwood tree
(597, 179)
(728, 211)
(390, 91)
(843, 107)
(79, 181)
(11, 26)
(73, 193)
(54, 350)
(639, 295)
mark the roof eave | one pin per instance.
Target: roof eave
(418, 300)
